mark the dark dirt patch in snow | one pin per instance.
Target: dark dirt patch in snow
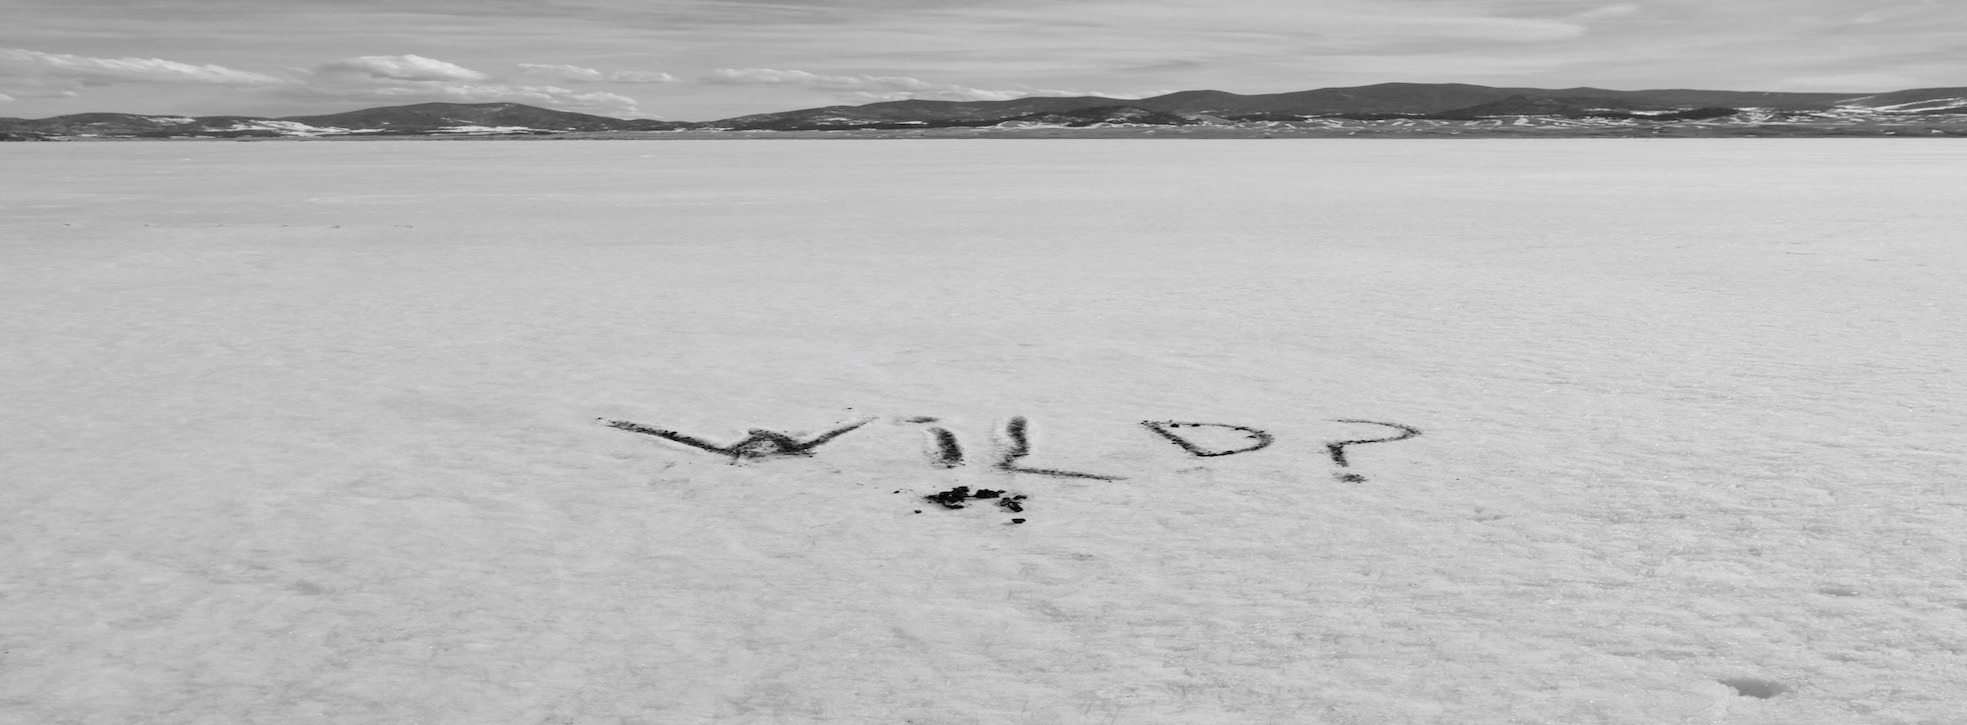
(958, 497)
(951, 499)
(1756, 688)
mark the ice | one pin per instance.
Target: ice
(320, 431)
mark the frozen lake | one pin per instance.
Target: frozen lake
(318, 432)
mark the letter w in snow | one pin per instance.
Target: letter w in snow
(760, 443)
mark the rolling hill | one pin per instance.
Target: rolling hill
(1380, 107)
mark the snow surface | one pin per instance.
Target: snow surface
(290, 128)
(319, 434)
(476, 129)
(1930, 104)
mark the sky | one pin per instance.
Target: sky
(700, 60)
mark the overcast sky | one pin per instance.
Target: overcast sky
(697, 60)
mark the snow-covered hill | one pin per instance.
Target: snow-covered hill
(1381, 109)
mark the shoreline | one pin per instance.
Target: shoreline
(1926, 130)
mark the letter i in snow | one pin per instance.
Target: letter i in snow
(949, 453)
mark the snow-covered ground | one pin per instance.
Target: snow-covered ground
(320, 432)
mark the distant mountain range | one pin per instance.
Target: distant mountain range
(1383, 107)
(419, 119)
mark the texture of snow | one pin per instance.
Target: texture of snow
(319, 435)
(1931, 104)
(476, 129)
(290, 128)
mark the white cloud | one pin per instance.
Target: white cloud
(598, 103)
(578, 74)
(897, 86)
(1847, 82)
(572, 73)
(20, 87)
(5, 98)
(641, 76)
(1617, 10)
(400, 68)
(374, 78)
(871, 87)
(399, 79)
(104, 71)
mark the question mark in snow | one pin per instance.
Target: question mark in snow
(1337, 448)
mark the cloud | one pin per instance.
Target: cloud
(4, 98)
(566, 99)
(641, 76)
(371, 78)
(1617, 10)
(871, 87)
(44, 87)
(570, 73)
(414, 78)
(400, 68)
(577, 74)
(1847, 82)
(105, 71)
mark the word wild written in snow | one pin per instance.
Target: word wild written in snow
(1203, 440)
